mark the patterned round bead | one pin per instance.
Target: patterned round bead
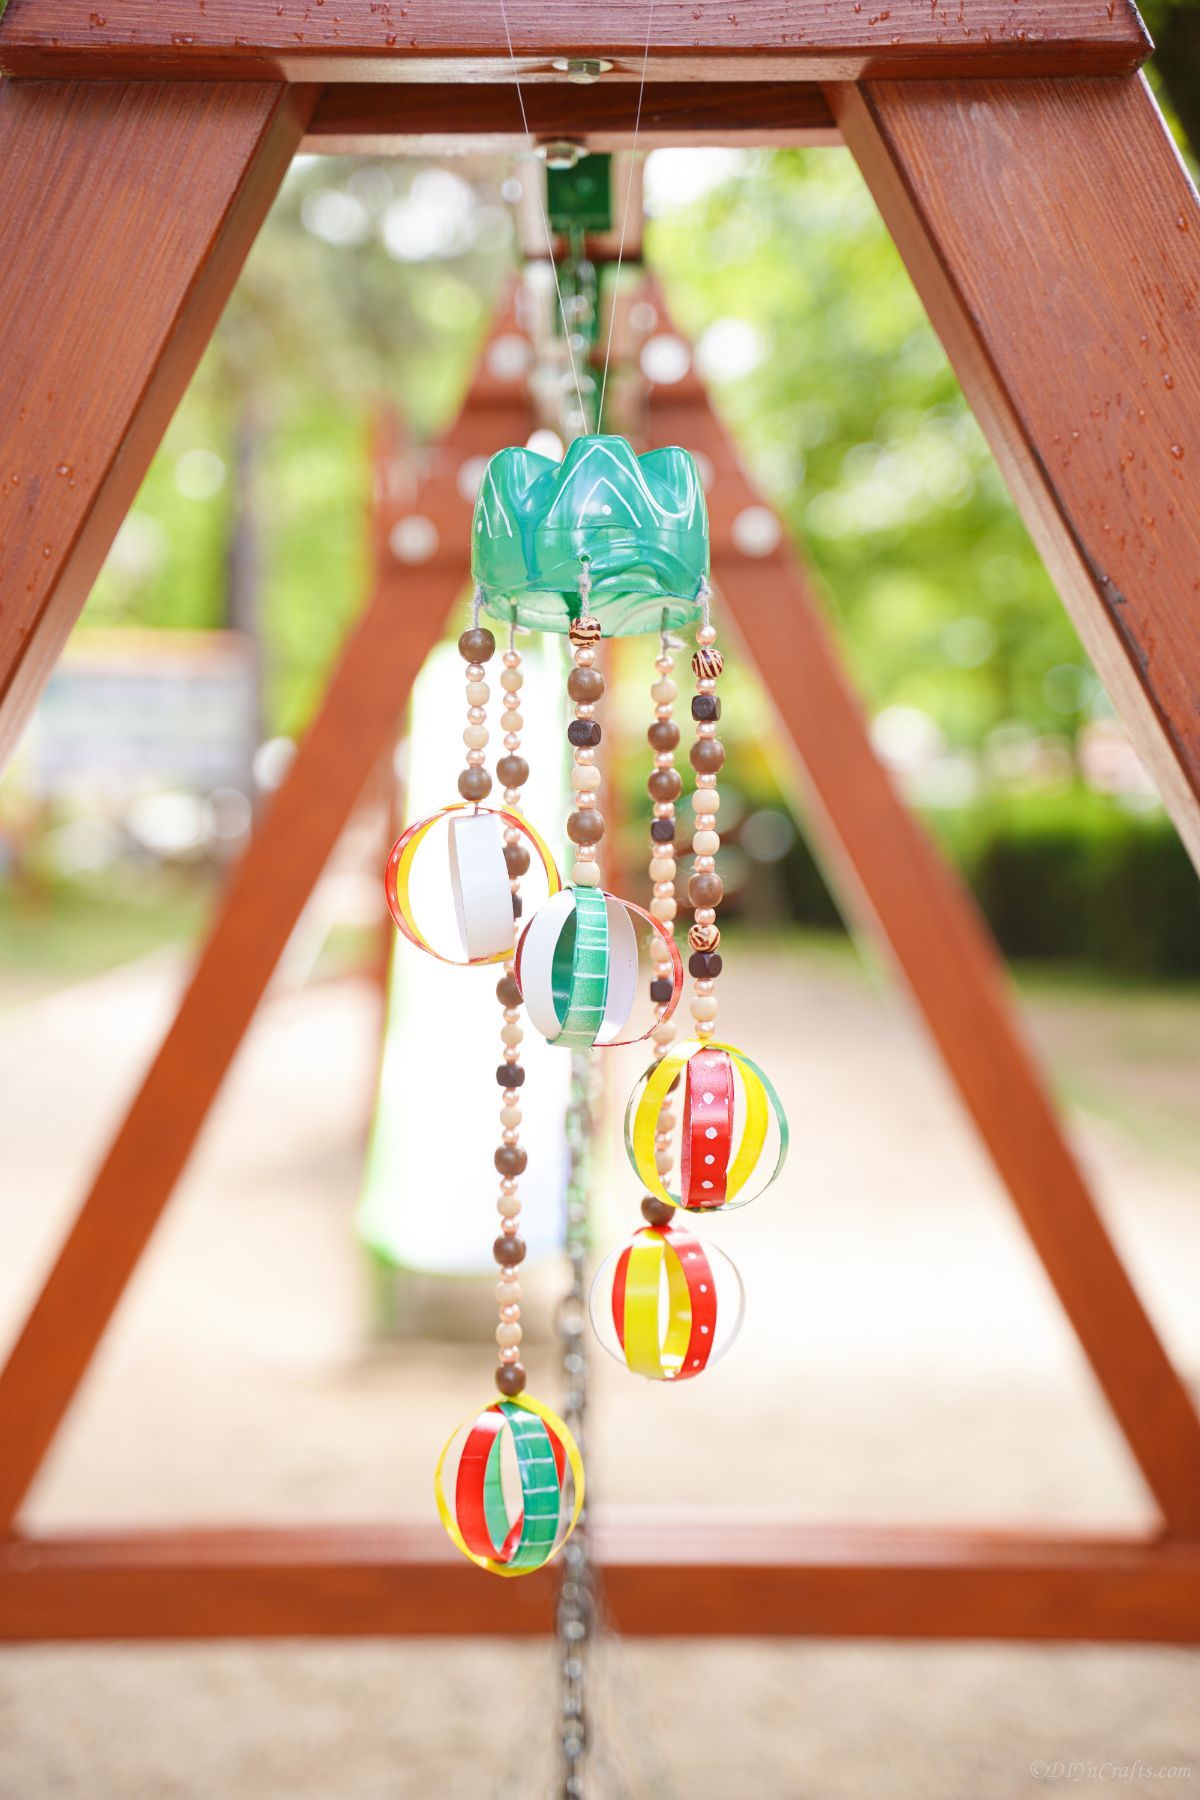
(705, 965)
(584, 633)
(707, 663)
(583, 733)
(705, 708)
(477, 645)
(510, 1075)
(704, 937)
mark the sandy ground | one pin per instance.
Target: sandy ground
(902, 1358)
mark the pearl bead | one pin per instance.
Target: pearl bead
(585, 778)
(478, 693)
(706, 843)
(509, 1137)
(706, 800)
(476, 716)
(475, 759)
(704, 1028)
(585, 656)
(585, 875)
(704, 1006)
(510, 1314)
(664, 691)
(707, 634)
(511, 658)
(704, 987)
(509, 1227)
(508, 1335)
(706, 915)
(586, 711)
(510, 1354)
(664, 809)
(706, 686)
(662, 868)
(475, 671)
(584, 758)
(704, 865)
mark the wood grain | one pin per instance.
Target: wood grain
(896, 884)
(377, 119)
(728, 1577)
(359, 40)
(1054, 236)
(127, 214)
(355, 724)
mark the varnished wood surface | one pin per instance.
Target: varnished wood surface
(356, 40)
(1054, 236)
(375, 119)
(916, 907)
(126, 215)
(726, 1577)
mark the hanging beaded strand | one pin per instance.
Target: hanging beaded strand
(510, 1158)
(476, 647)
(665, 787)
(585, 685)
(705, 888)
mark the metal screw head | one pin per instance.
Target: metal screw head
(560, 153)
(582, 69)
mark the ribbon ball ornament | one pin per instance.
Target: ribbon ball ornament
(666, 1305)
(478, 1518)
(479, 880)
(576, 967)
(717, 1162)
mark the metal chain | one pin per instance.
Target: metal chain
(576, 1601)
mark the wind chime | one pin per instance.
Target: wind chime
(604, 543)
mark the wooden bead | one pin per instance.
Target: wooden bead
(585, 734)
(663, 868)
(510, 1159)
(657, 1212)
(705, 708)
(663, 909)
(663, 735)
(512, 771)
(585, 686)
(584, 633)
(507, 991)
(707, 756)
(705, 965)
(662, 831)
(508, 1334)
(706, 800)
(706, 843)
(585, 874)
(477, 645)
(475, 737)
(510, 1379)
(511, 680)
(663, 692)
(478, 693)
(707, 663)
(516, 860)
(509, 1251)
(704, 1008)
(518, 906)
(585, 827)
(510, 1075)
(704, 937)
(706, 890)
(661, 991)
(474, 784)
(664, 784)
(585, 778)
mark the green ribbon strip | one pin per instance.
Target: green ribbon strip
(541, 1496)
(579, 973)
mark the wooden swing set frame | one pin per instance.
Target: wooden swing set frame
(1047, 222)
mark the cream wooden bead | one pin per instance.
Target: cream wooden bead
(508, 1293)
(475, 737)
(664, 909)
(706, 843)
(663, 692)
(511, 1035)
(586, 874)
(478, 693)
(508, 1206)
(585, 778)
(704, 1006)
(511, 680)
(508, 1334)
(706, 800)
(510, 1117)
(662, 868)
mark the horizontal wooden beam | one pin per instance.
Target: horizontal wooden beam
(720, 1578)
(364, 40)
(378, 119)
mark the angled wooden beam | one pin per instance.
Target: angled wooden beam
(726, 1578)
(128, 211)
(362, 40)
(406, 117)
(918, 909)
(1054, 236)
(355, 724)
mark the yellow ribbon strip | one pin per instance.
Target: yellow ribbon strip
(574, 1462)
(644, 1354)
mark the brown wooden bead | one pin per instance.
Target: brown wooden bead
(585, 686)
(474, 784)
(707, 663)
(512, 771)
(585, 827)
(705, 890)
(663, 734)
(510, 1075)
(510, 1159)
(584, 734)
(518, 906)
(510, 1379)
(516, 860)
(507, 991)
(657, 1212)
(662, 831)
(584, 632)
(477, 645)
(704, 937)
(661, 990)
(509, 1251)
(705, 965)
(705, 708)
(664, 784)
(707, 756)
